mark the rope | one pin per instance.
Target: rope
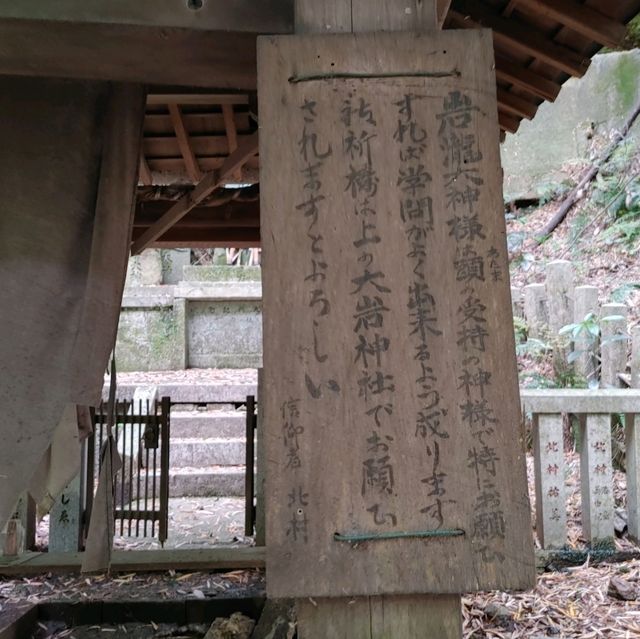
(422, 534)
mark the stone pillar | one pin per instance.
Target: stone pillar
(585, 302)
(19, 534)
(596, 479)
(613, 346)
(65, 519)
(549, 467)
(145, 269)
(180, 319)
(559, 286)
(517, 304)
(632, 446)
(173, 261)
(536, 309)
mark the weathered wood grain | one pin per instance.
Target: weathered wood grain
(318, 400)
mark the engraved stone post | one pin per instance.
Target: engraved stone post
(560, 296)
(613, 349)
(596, 478)
(517, 305)
(65, 519)
(20, 532)
(549, 466)
(536, 309)
(632, 441)
(585, 302)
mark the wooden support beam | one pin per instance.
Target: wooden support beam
(197, 98)
(145, 172)
(233, 214)
(516, 105)
(232, 134)
(182, 135)
(443, 7)
(518, 36)
(508, 122)
(580, 18)
(209, 183)
(121, 53)
(211, 237)
(523, 78)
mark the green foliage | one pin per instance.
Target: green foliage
(622, 293)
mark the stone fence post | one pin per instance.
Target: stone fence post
(613, 350)
(585, 302)
(536, 309)
(560, 295)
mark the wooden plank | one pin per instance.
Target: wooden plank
(580, 18)
(197, 98)
(220, 558)
(381, 617)
(181, 57)
(518, 36)
(549, 467)
(204, 188)
(180, 237)
(182, 137)
(268, 16)
(393, 15)
(334, 451)
(508, 122)
(443, 7)
(144, 171)
(524, 78)
(195, 123)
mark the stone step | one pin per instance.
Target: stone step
(212, 481)
(205, 424)
(211, 451)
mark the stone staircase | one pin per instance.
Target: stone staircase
(207, 451)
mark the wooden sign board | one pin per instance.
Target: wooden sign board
(394, 454)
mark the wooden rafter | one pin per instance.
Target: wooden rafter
(517, 36)
(182, 135)
(524, 78)
(516, 105)
(209, 183)
(580, 18)
(508, 122)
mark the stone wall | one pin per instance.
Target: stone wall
(538, 156)
(211, 318)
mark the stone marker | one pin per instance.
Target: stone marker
(560, 294)
(536, 310)
(551, 501)
(19, 534)
(613, 349)
(65, 519)
(632, 444)
(596, 478)
(585, 302)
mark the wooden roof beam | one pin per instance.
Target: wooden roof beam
(516, 105)
(182, 135)
(197, 98)
(442, 9)
(508, 122)
(525, 79)
(513, 34)
(580, 18)
(209, 183)
(232, 134)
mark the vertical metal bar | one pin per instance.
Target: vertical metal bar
(121, 472)
(129, 523)
(146, 474)
(137, 449)
(155, 479)
(164, 470)
(249, 466)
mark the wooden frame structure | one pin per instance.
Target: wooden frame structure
(200, 64)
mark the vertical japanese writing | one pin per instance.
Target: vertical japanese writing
(461, 157)
(416, 214)
(371, 347)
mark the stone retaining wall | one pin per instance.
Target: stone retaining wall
(212, 318)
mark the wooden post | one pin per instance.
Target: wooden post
(551, 501)
(424, 617)
(260, 465)
(20, 534)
